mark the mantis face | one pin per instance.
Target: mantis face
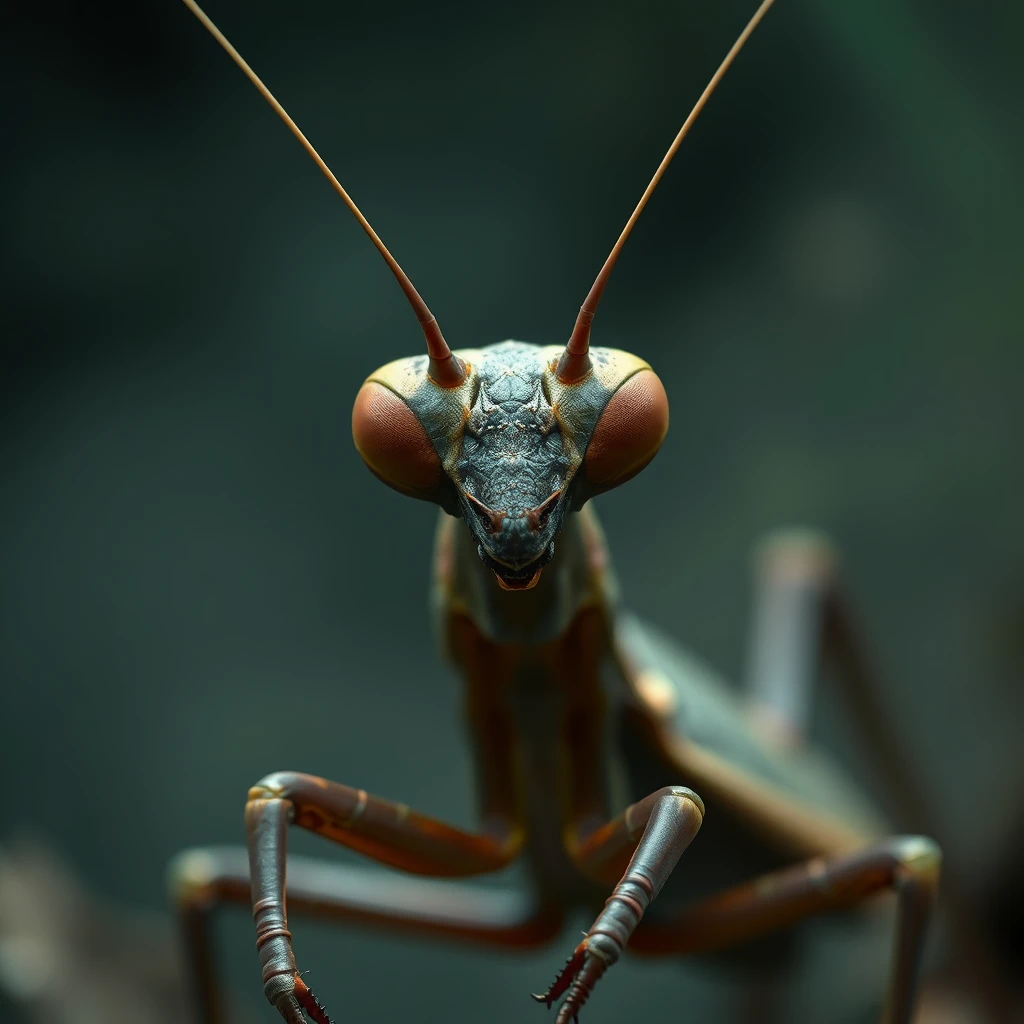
(511, 448)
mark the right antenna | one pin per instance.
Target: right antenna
(575, 361)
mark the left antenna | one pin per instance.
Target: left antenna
(446, 368)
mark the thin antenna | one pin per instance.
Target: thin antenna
(445, 368)
(575, 361)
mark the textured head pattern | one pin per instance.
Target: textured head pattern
(511, 439)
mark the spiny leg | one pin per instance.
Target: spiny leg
(908, 865)
(387, 832)
(203, 880)
(669, 818)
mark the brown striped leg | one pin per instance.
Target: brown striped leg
(204, 880)
(387, 832)
(971, 946)
(908, 865)
(669, 819)
(803, 619)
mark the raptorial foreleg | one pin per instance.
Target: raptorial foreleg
(387, 832)
(669, 819)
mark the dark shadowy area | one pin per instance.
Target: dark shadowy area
(201, 582)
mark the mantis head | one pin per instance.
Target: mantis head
(513, 436)
(512, 447)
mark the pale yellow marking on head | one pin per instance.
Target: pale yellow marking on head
(571, 402)
(406, 376)
(612, 372)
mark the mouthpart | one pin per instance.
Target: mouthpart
(522, 578)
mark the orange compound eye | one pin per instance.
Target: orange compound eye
(628, 434)
(393, 443)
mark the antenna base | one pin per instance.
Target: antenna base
(573, 367)
(449, 372)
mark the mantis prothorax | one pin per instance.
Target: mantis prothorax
(514, 439)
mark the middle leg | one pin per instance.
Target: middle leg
(908, 865)
(204, 880)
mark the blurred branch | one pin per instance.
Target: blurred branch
(65, 958)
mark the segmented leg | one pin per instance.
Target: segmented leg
(794, 573)
(204, 880)
(803, 617)
(908, 865)
(669, 819)
(387, 832)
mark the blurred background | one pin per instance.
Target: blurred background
(201, 582)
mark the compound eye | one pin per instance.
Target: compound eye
(628, 434)
(393, 443)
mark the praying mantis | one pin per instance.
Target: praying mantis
(514, 439)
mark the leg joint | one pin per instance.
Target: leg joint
(683, 793)
(189, 878)
(204, 877)
(276, 786)
(605, 947)
(918, 857)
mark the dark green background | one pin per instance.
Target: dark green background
(202, 583)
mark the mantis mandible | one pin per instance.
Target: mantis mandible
(514, 439)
